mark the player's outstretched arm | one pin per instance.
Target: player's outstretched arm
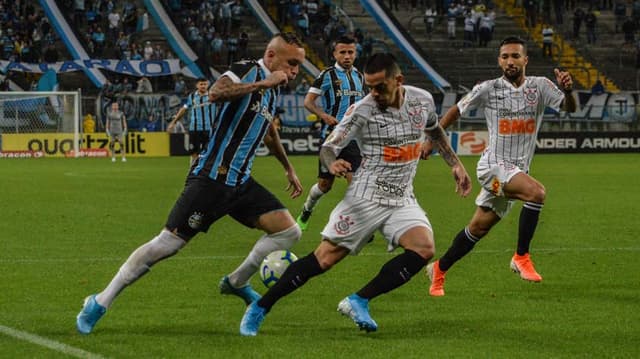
(176, 118)
(311, 106)
(226, 90)
(272, 141)
(460, 175)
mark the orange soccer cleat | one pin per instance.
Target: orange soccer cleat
(436, 276)
(524, 266)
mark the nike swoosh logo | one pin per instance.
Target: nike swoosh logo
(383, 125)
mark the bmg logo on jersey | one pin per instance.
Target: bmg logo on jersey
(516, 126)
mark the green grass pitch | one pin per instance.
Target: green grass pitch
(67, 225)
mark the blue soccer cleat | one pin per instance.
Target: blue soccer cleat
(246, 293)
(357, 308)
(89, 315)
(252, 319)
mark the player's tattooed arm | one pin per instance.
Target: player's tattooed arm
(226, 90)
(460, 175)
(440, 141)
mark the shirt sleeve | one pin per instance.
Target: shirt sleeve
(347, 130)
(474, 98)
(551, 94)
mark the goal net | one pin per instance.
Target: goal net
(41, 112)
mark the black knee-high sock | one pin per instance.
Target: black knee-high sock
(393, 274)
(462, 244)
(528, 223)
(298, 273)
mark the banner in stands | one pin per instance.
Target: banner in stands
(137, 144)
(149, 68)
(143, 111)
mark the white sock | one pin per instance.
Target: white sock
(314, 196)
(265, 245)
(164, 245)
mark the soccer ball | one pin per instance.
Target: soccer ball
(274, 265)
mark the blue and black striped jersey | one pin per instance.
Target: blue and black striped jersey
(339, 88)
(201, 112)
(241, 125)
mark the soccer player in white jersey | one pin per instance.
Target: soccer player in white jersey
(514, 105)
(391, 124)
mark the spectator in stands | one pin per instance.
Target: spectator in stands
(578, 17)
(597, 88)
(486, 27)
(98, 38)
(179, 87)
(629, 29)
(302, 24)
(590, 22)
(282, 7)
(232, 48)
(217, 45)
(243, 45)
(429, 20)
(558, 8)
(469, 30)
(547, 40)
(303, 87)
(144, 85)
(147, 51)
(452, 13)
(237, 11)
(114, 23)
(531, 12)
(126, 86)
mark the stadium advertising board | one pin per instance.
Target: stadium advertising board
(587, 142)
(137, 144)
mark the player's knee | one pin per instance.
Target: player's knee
(478, 230)
(287, 238)
(325, 185)
(538, 194)
(426, 251)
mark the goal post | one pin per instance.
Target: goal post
(41, 112)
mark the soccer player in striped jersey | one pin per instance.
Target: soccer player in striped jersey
(201, 114)
(391, 124)
(514, 106)
(338, 86)
(220, 183)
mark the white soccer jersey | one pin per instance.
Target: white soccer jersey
(390, 143)
(513, 116)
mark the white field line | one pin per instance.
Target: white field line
(230, 257)
(48, 343)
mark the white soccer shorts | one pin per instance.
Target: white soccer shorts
(354, 220)
(492, 178)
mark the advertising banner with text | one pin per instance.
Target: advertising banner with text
(137, 144)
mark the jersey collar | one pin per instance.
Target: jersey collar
(267, 72)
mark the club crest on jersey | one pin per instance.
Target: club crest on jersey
(415, 111)
(343, 225)
(531, 95)
(195, 220)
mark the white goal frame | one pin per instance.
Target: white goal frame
(68, 113)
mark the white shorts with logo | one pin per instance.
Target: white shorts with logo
(492, 178)
(354, 220)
